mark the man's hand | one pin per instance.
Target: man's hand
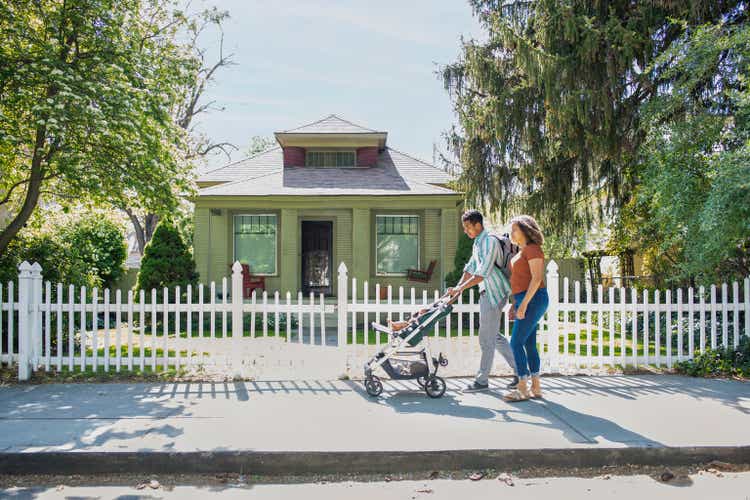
(452, 291)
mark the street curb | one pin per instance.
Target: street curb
(357, 462)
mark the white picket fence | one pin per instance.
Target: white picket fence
(45, 326)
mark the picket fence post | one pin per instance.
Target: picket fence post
(343, 302)
(553, 290)
(236, 305)
(24, 319)
(35, 314)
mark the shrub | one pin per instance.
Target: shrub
(167, 261)
(98, 244)
(463, 254)
(728, 361)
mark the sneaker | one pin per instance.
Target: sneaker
(476, 386)
(513, 384)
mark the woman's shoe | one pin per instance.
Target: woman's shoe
(516, 396)
(536, 388)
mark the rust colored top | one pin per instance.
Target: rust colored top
(520, 272)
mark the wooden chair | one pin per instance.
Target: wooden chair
(421, 275)
(250, 282)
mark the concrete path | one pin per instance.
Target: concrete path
(697, 486)
(338, 416)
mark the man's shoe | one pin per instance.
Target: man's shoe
(513, 383)
(476, 386)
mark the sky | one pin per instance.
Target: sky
(369, 62)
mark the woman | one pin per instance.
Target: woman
(531, 301)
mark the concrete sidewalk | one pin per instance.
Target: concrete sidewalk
(599, 414)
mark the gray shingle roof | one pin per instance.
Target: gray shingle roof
(394, 174)
(331, 124)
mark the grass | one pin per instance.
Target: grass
(9, 375)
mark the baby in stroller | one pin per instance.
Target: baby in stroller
(400, 364)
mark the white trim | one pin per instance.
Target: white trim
(275, 242)
(419, 243)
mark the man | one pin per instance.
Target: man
(494, 290)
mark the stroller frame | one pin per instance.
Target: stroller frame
(427, 378)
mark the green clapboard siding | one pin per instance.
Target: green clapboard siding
(353, 234)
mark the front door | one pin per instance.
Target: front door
(317, 256)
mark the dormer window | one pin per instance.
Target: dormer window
(322, 158)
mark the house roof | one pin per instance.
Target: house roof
(395, 173)
(332, 128)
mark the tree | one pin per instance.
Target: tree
(549, 107)
(691, 208)
(167, 261)
(259, 144)
(188, 104)
(86, 88)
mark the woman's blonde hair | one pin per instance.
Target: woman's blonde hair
(528, 225)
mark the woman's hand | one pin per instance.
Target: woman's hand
(521, 311)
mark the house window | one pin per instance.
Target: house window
(331, 159)
(396, 244)
(255, 242)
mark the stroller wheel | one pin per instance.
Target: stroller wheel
(373, 386)
(435, 387)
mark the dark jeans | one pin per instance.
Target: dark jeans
(523, 339)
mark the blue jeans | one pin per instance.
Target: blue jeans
(523, 339)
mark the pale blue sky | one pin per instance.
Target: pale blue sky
(371, 62)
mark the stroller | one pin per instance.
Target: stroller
(414, 364)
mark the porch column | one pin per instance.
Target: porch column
(290, 253)
(361, 245)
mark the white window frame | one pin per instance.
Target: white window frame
(323, 151)
(419, 243)
(275, 243)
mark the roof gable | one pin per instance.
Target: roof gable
(331, 124)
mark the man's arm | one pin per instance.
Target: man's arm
(482, 263)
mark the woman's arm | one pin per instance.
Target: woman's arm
(537, 273)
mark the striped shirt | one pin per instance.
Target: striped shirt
(482, 263)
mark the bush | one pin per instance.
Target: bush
(463, 254)
(719, 362)
(167, 262)
(52, 253)
(99, 245)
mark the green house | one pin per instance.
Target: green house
(330, 192)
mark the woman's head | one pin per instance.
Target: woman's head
(525, 230)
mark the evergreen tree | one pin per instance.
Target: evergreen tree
(463, 254)
(549, 106)
(167, 262)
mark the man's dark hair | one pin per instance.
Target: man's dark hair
(473, 216)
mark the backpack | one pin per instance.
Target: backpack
(508, 249)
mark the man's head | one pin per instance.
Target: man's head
(473, 223)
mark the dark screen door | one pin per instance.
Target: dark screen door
(317, 242)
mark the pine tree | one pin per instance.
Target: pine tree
(549, 107)
(167, 262)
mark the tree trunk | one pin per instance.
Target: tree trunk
(32, 193)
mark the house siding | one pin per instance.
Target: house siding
(353, 236)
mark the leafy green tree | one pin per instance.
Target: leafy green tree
(167, 261)
(86, 88)
(691, 209)
(549, 107)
